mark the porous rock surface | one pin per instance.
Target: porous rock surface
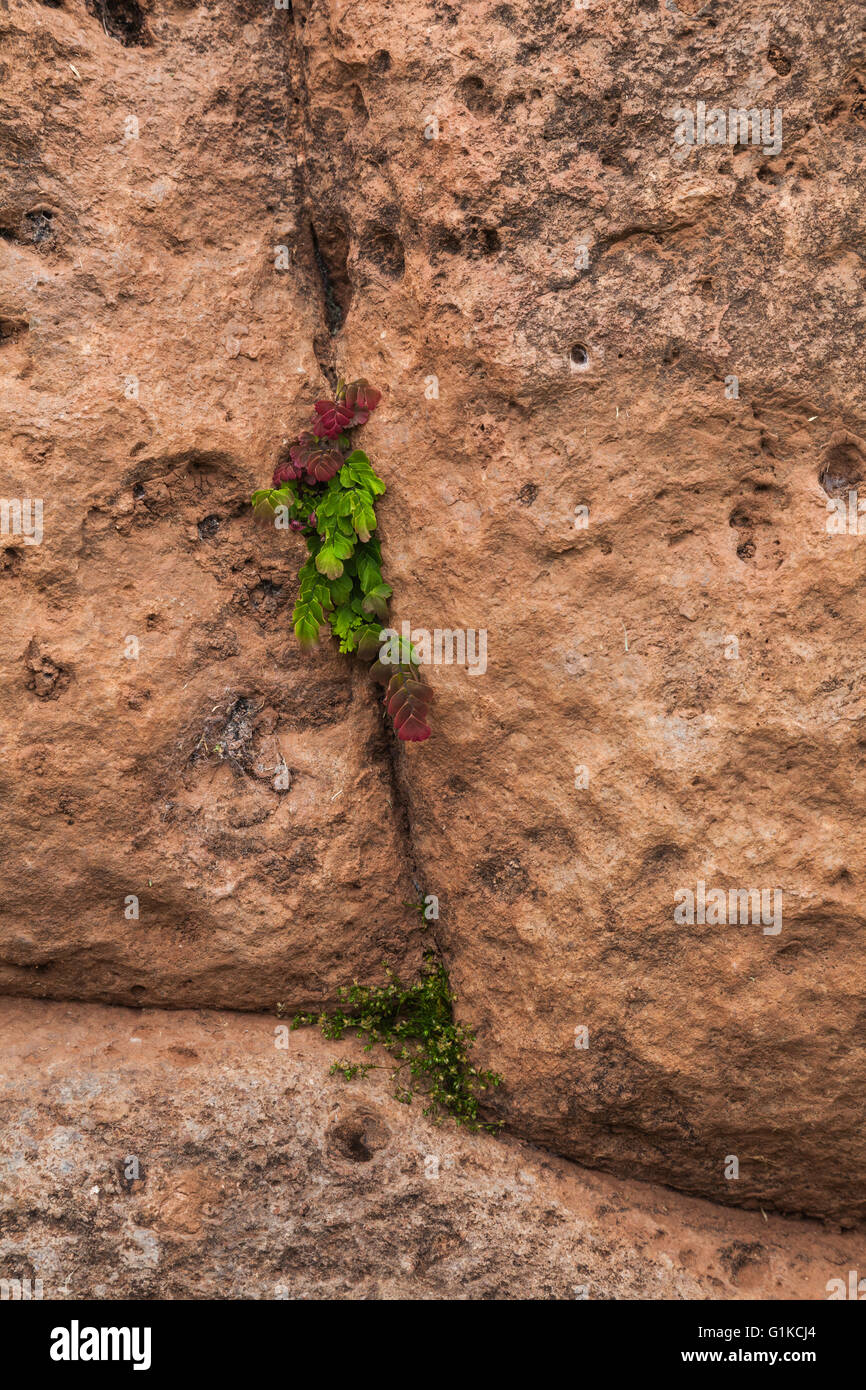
(171, 745)
(164, 1155)
(483, 210)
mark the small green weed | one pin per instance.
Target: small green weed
(415, 1024)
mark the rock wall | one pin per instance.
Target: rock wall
(483, 209)
(155, 1155)
(154, 689)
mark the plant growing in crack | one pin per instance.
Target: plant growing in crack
(326, 489)
(415, 1024)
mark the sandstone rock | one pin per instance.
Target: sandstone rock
(484, 212)
(195, 813)
(620, 746)
(258, 1178)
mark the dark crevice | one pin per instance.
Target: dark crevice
(329, 243)
(385, 750)
(330, 253)
(328, 370)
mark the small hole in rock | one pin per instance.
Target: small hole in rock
(384, 248)
(842, 469)
(39, 225)
(579, 357)
(380, 61)
(357, 1138)
(777, 60)
(447, 241)
(767, 174)
(121, 19)
(475, 96)
(12, 327)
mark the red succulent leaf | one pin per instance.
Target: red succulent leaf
(361, 398)
(331, 418)
(360, 395)
(396, 702)
(419, 692)
(406, 700)
(322, 464)
(284, 473)
(301, 452)
(413, 729)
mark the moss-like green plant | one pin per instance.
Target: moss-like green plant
(415, 1024)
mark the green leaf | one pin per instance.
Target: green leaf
(343, 620)
(369, 573)
(342, 545)
(340, 589)
(376, 601)
(267, 499)
(328, 562)
(307, 632)
(358, 469)
(326, 510)
(363, 516)
(366, 478)
(308, 619)
(368, 642)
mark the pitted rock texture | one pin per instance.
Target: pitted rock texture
(156, 1155)
(485, 213)
(196, 813)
